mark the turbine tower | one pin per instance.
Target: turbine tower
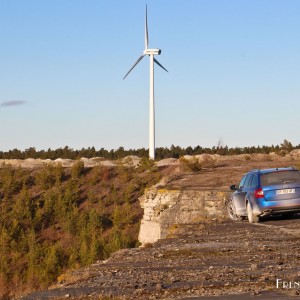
(151, 53)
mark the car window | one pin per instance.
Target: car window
(248, 180)
(281, 177)
(242, 182)
(254, 181)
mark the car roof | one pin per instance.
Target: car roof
(264, 171)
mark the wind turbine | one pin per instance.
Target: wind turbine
(150, 53)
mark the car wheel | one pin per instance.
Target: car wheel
(251, 217)
(231, 211)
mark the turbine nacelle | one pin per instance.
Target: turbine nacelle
(151, 52)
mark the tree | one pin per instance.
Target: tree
(30, 153)
(4, 253)
(33, 260)
(286, 146)
(52, 264)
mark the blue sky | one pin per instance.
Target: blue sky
(234, 73)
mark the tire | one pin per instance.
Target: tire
(251, 217)
(231, 211)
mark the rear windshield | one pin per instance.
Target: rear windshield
(281, 177)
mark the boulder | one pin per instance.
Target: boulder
(295, 152)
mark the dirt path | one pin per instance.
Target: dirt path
(199, 260)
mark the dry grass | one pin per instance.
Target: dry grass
(227, 170)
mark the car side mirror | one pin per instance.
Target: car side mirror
(233, 187)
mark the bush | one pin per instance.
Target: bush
(77, 169)
(11, 180)
(147, 164)
(46, 177)
(192, 164)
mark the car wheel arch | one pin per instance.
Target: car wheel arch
(251, 217)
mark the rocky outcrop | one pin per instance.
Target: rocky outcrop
(227, 260)
(295, 152)
(165, 209)
(31, 163)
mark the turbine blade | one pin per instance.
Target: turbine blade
(146, 31)
(140, 58)
(160, 65)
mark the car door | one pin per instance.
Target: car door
(240, 194)
(253, 185)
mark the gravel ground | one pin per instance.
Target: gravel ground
(223, 260)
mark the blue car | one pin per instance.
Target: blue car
(265, 192)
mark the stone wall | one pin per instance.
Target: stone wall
(165, 208)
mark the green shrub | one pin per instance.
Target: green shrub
(11, 180)
(147, 164)
(77, 169)
(45, 178)
(59, 173)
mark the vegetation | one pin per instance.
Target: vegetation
(162, 152)
(53, 219)
(191, 164)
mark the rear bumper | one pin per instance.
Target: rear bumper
(261, 207)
